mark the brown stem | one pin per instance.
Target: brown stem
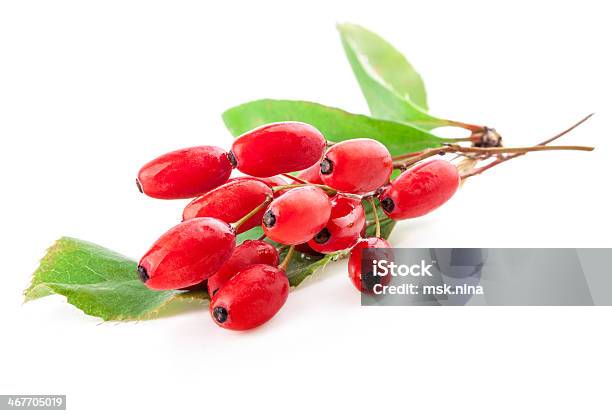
(422, 156)
(376, 219)
(483, 151)
(248, 216)
(498, 150)
(406, 155)
(326, 188)
(283, 266)
(564, 132)
(293, 178)
(500, 160)
(382, 221)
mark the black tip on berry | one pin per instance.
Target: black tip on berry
(369, 280)
(327, 166)
(322, 237)
(269, 219)
(232, 159)
(387, 204)
(139, 186)
(142, 273)
(220, 314)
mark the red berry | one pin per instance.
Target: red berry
(357, 166)
(246, 254)
(187, 254)
(420, 190)
(343, 229)
(185, 173)
(364, 280)
(278, 148)
(297, 216)
(250, 298)
(312, 175)
(231, 201)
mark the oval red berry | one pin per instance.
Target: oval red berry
(364, 282)
(297, 216)
(356, 166)
(343, 229)
(187, 254)
(185, 173)
(278, 148)
(231, 201)
(251, 298)
(246, 254)
(420, 190)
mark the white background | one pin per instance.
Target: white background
(89, 91)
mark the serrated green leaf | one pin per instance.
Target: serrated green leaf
(96, 280)
(335, 124)
(393, 89)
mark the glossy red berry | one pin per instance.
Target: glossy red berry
(278, 148)
(356, 166)
(312, 175)
(185, 173)
(420, 190)
(187, 254)
(231, 201)
(297, 216)
(246, 254)
(251, 298)
(364, 280)
(343, 229)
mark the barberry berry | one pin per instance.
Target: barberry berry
(278, 148)
(231, 201)
(251, 298)
(185, 173)
(343, 229)
(246, 254)
(365, 280)
(297, 216)
(187, 254)
(420, 190)
(356, 166)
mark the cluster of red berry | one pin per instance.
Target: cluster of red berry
(320, 210)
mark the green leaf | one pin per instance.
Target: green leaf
(334, 123)
(96, 280)
(392, 87)
(303, 265)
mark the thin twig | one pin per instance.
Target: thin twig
(293, 178)
(326, 188)
(283, 266)
(500, 160)
(376, 219)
